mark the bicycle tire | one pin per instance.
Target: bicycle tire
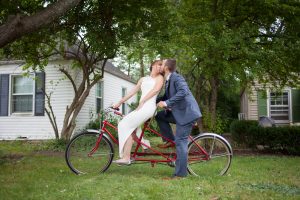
(87, 140)
(207, 166)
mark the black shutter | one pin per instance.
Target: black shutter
(39, 109)
(4, 94)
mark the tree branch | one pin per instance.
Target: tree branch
(70, 78)
(21, 25)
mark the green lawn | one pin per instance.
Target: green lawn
(28, 175)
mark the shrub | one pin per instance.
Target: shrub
(240, 130)
(221, 124)
(58, 145)
(95, 124)
(285, 139)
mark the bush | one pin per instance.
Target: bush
(95, 124)
(240, 130)
(58, 145)
(221, 124)
(285, 139)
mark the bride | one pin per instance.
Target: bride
(150, 87)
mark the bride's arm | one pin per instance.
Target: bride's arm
(130, 94)
(156, 89)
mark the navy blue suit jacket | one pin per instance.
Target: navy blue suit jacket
(180, 100)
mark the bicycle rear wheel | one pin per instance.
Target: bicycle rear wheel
(218, 160)
(80, 159)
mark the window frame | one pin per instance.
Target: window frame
(98, 97)
(124, 105)
(10, 104)
(288, 91)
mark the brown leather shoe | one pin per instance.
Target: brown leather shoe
(166, 145)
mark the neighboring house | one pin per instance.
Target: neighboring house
(22, 101)
(283, 107)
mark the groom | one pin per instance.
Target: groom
(181, 109)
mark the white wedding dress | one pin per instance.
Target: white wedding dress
(136, 118)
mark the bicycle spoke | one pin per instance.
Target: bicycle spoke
(200, 161)
(79, 154)
(212, 147)
(101, 154)
(219, 155)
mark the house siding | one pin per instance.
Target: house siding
(253, 109)
(39, 127)
(255, 106)
(249, 104)
(112, 93)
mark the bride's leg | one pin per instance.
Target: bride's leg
(127, 148)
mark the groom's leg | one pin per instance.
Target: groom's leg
(181, 140)
(163, 122)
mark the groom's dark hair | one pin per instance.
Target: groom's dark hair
(171, 64)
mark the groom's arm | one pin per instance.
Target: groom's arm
(161, 98)
(182, 90)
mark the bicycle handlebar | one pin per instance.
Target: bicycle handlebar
(114, 108)
(115, 111)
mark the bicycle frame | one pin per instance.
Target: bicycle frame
(166, 157)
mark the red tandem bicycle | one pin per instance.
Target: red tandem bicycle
(92, 151)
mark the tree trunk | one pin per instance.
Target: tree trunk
(51, 115)
(129, 68)
(142, 67)
(213, 100)
(198, 99)
(17, 26)
(72, 112)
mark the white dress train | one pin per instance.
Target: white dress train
(136, 118)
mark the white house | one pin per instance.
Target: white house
(22, 103)
(282, 106)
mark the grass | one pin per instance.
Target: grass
(27, 174)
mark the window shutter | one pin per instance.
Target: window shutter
(39, 109)
(262, 103)
(4, 94)
(296, 105)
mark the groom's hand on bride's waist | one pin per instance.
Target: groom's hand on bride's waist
(162, 104)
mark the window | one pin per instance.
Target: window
(22, 94)
(124, 109)
(99, 96)
(279, 106)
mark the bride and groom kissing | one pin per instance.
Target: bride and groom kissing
(180, 107)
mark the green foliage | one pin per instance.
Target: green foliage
(225, 45)
(88, 35)
(58, 145)
(284, 139)
(220, 126)
(96, 124)
(101, 28)
(133, 105)
(239, 130)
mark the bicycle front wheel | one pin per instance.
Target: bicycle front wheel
(209, 154)
(82, 158)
